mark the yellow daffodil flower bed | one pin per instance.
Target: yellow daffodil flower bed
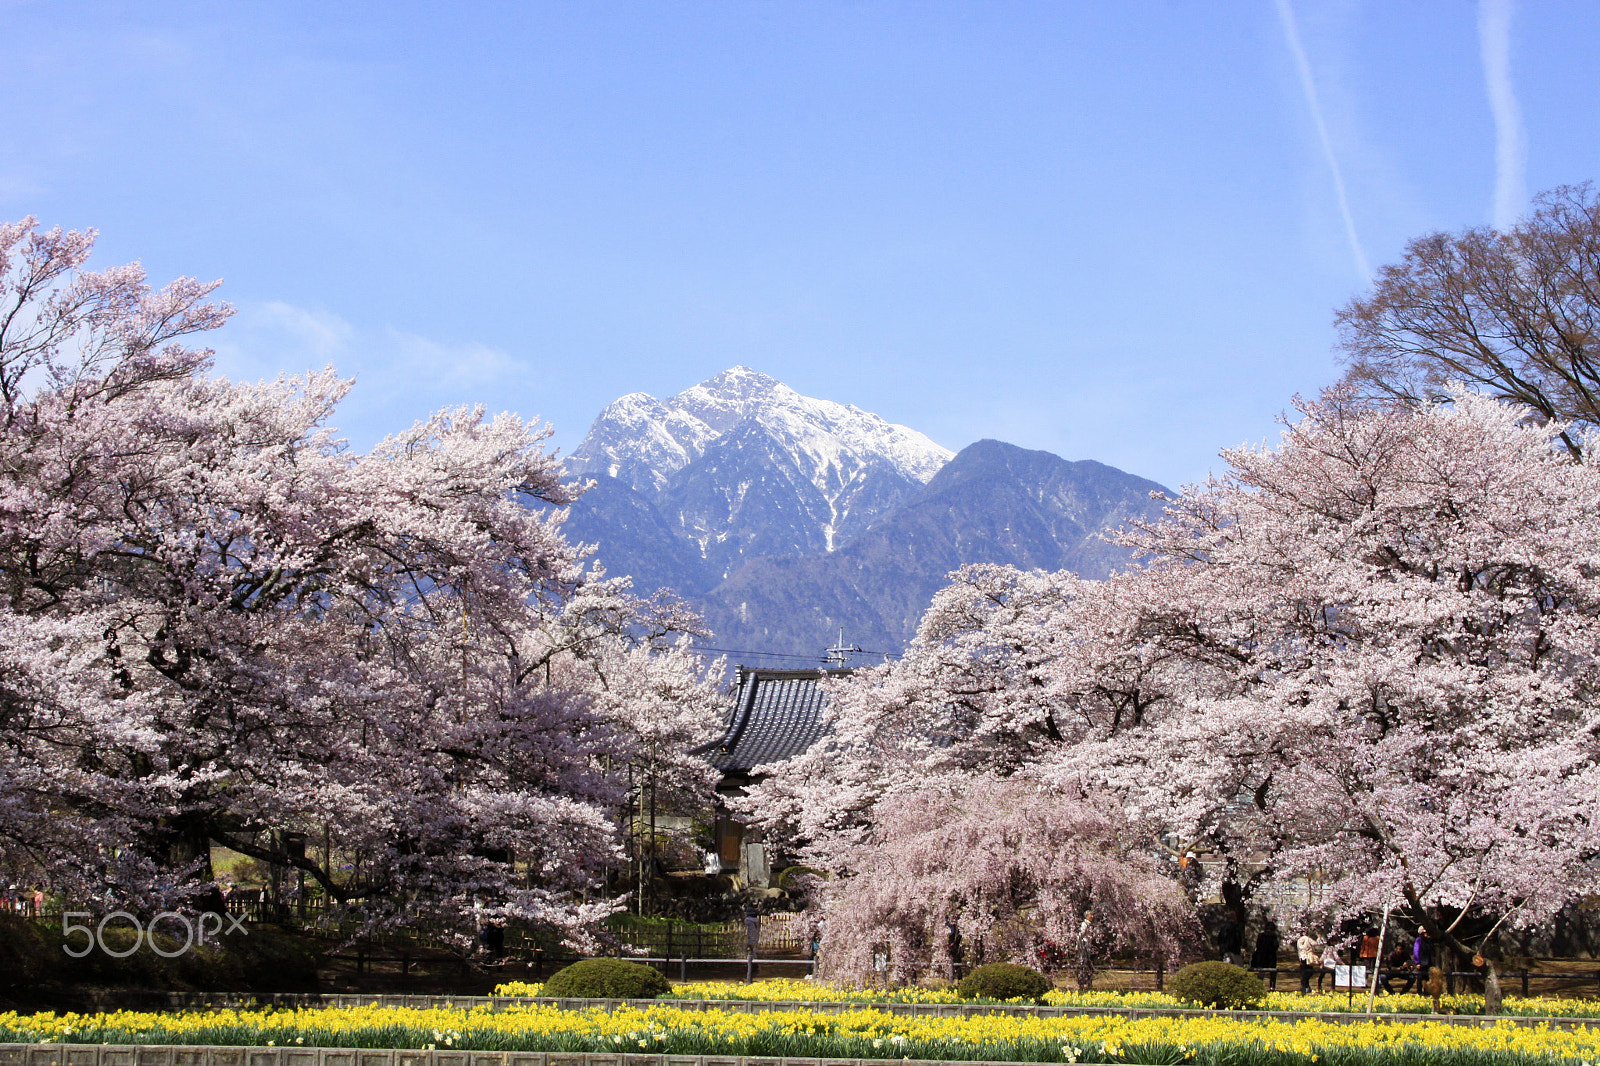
(787, 990)
(864, 1033)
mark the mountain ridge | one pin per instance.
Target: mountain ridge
(993, 503)
(680, 428)
(782, 517)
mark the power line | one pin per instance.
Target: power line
(840, 653)
(750, 651)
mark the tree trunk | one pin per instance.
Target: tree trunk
(1445, 941)
(1492, 996)
(188, 849)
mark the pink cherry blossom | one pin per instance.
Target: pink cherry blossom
(222, 627)
(1366, 657)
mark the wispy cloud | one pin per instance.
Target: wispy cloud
(1510, 142)
(1291, 33)
(399, 376)
(264, 340)
(318, 334)
(459, 363)
(274, 336)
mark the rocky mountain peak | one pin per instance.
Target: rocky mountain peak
(783, 516)
(645, 442)
(727, 399)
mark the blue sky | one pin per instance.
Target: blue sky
(1111, 230)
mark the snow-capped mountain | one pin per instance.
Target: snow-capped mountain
(741, 464)
(644, 441)
(782, 517)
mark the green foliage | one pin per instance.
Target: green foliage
(266, 959)
(1004, 980)
(1219, 985)
(790, 878)
(624, 922)
(606, 979)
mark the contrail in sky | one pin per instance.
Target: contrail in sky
(1292, 34)
(1510, 143)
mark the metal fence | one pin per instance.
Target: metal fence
(781, 934)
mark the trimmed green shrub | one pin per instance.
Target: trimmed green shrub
(606, 979)
(1004, 980)
(1219, 985)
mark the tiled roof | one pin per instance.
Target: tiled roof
(777, 714)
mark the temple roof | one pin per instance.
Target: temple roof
(777, 714)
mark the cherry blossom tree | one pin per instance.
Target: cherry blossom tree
(987, 869)
(220, 626)
(1410, 599)
(1366, 656)
(1010, 671)
(966, 697)
(930, 763)
(668, 703)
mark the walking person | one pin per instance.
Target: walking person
(1086, 934)
(1367, 956)
(1265, 955)
(1422, 956)
(1309, 952)
(1230, 937)
(953, 943)
(752, 937)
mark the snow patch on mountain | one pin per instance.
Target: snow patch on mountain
(644, 441)
(640, 440)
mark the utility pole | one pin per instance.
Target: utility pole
(839, 653)
(647, 876)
